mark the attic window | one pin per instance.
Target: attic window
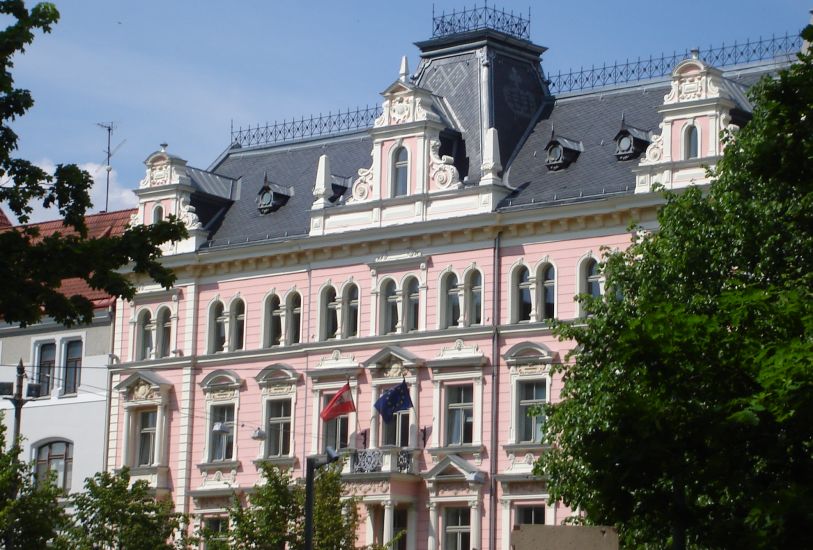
(272, 197)
(560, 152)
(630, 143)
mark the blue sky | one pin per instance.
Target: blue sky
(181, 71)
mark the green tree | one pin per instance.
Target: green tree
(685, 416)
(112, 513)
(30, 513)
(275, 515)
(31, 282)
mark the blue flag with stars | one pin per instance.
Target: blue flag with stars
(393, 400)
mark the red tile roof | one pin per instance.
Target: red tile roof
(4, 221)
(99, 225)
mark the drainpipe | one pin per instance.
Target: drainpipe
(495, 416)
(111, 311)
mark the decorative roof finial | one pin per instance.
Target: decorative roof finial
(695, 53)
(403, 75)
(164, 147)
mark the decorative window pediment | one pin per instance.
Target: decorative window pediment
(277, 378)
(394, 362)
(458, 355)
(144, 386)
(455, 468)
(528, 353)
(336, 364)
(221, 380)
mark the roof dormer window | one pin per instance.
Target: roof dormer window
(631, 142)
(272, 197)
(560, 152)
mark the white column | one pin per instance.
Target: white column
(369, 528)
(373, 443)
(505, 525)
(476, 531)
(388, 506)
(125, 452)
(158, 458)
(412, 527)
(414, 420)
(432, 539)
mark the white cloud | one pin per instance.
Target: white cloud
(120, 197)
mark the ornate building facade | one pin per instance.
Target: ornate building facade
(433, 248)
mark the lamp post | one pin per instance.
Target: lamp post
(311, 465)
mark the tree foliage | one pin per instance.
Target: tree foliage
(685, 417)
(30, 513)
(31, 282)
(275, 516)
(113, 513)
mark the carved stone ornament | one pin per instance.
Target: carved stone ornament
(693, 80)
(362, 187)
(368, 488)
(278, 389)
(142, 391)
(220, 395)
(441, 169)
(135, 220)
(396, 370)
(188, 215)
(454, 489)
(219, 479)
(158, 175)
(401, 110)
(654, 153)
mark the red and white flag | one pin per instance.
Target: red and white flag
(342, 403)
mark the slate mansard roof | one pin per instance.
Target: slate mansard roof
(526, 115)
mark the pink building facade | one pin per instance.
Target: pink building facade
(435, 248)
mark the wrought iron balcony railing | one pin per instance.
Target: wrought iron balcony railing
(366, 461)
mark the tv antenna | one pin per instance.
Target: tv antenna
(109, 127)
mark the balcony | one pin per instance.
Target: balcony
(386, 461)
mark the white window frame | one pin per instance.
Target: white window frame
(160, 336)
(468, 301)
(267, 317)
(347, 305)
(277, 382)
(329, 308)
(145, 325)
(213, 322)
(515, 294)
(385, 307)
(684, 140)
(289, 317)
(37, 358)
(443, 380)
(233, 318)
(581, 280)
(394, 165)
(443, 312)
(67, 472)
(318, 391)
(220, 387)
(540, 290)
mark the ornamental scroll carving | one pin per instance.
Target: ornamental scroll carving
(654, 153)
(441, 169)
(363, 186)
(188, 215)
(691, 82)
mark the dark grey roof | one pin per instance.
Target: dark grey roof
(213, 184)
(287, 165)
(593, 120)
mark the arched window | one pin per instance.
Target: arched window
(237, 323)
(330, 314)
(389, 308)
(474, 299)
(691, 144)
(592, 282)
(163, 323)
(217, 328)
(413, 304)
(294, 318)
(350, 311)
(547, 302)
(451, 301)
(56, 456)
(523, 304)
(273, 322)
(144, 340)
(400, 172)
(157, 213)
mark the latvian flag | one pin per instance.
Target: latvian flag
(342, 403)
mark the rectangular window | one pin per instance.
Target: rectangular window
(531, 515)
(146, 437)
(215, 531)
(530, 394)
(396, 433)
(337, 431)
(460, 416)
(45, 373)
(458, 529)
(279, 428)
(222, 432)
(73, 366)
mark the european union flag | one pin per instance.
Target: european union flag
(394, 400)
